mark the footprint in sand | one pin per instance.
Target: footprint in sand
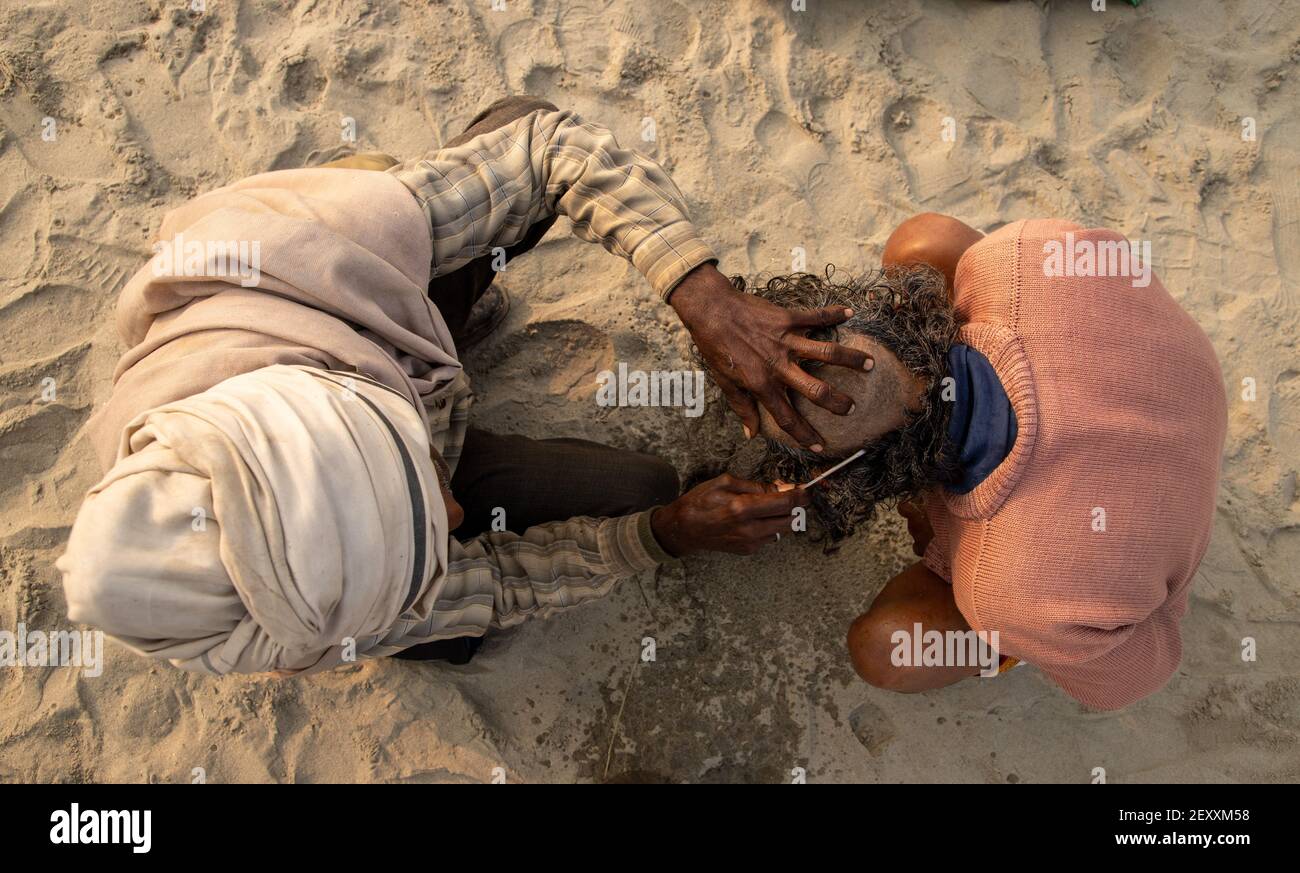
(590, 34)
(66, 315)
(303, 82)
(583, 33)
(926, 139)
(668, 29)
(1008, 80)
(32, 438)
(1278, 158)
(1260, 716)
(1284, 433)
(1142, 56)
(561, 358)
(98, 271)
(872, 727)
(531, 56)
(792, 149)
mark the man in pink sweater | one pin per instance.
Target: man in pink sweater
(1058, 418)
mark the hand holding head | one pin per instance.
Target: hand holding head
(752, 349)
(903, 319)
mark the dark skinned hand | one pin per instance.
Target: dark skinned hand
(753, 347)
(918, 526)
(727, 514)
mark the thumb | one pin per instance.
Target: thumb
(737, 485)
(741, 403)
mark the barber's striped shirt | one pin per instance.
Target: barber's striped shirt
(503, 579)
(488, 193)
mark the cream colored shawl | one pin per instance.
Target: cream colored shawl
(265, 524)
(244, 489)
(342, 272)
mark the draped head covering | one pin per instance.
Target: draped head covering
(265, 524)
(320, 267)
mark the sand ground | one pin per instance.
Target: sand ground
(818, 129)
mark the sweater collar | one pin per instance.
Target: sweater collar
(982, 426)
(1001, 346)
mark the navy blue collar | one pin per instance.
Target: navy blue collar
(983, 424)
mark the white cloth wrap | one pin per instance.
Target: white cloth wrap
(264, 524)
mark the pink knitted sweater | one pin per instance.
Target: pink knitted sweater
(1080, 547)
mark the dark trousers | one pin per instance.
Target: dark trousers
(534, 481)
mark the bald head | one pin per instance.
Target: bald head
(882, 398)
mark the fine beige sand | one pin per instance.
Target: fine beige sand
(819, 129)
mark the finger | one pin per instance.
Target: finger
(765, 488)
(831, 353)
(755, 536)
(738, 485)
(768, 528)
(741, 403)
(816, 390)
(827, 316)
(778, 406)
(910, 510)
(772, 504)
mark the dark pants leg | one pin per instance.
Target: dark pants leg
(536, 481)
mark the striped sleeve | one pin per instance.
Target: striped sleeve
(489, 191)
(503, 579)
(554, 567)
